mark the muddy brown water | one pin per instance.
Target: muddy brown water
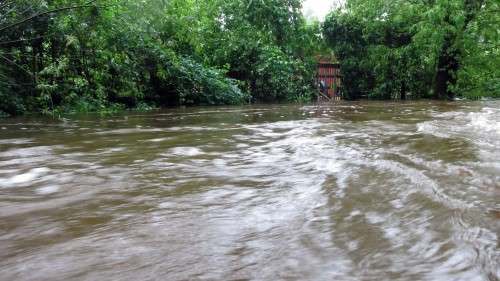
(351, 191)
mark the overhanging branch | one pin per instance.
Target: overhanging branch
(86, 5)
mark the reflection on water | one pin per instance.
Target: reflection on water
(352, 191)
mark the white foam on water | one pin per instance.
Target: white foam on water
(487, 120)
(158, 140)
(186, 151)
(242, 145)
(397, 203)
(194, 129)
(424, 184)
(128, 131)
(24, 178)
(431, 128)
(219, 162)
(375, 218)
(457, 123)
(46, 190)
(113, 150)
(16, 141)
(392, 232)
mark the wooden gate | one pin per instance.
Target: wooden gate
(328, 72)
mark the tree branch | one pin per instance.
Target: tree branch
(15, 64)
(25, 40)
(86, 5)
(5, 4)
(491, 11)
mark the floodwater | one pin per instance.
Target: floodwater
(350, 191)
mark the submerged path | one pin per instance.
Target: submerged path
(354, 191)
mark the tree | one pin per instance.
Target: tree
(422, 48)
(66, 55)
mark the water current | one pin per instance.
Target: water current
(349, 191)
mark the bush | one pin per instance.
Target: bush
(279, 77)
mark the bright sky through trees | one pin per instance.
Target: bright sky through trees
(317, 8)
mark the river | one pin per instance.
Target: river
(349, 191)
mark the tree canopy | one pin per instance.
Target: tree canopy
(81, 55)
(423, 48)
(93, 55)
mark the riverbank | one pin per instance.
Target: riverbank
(120, 109)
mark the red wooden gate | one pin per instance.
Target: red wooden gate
(329, 73)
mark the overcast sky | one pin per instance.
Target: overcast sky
(318, 8)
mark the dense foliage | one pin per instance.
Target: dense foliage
(420, 48)
(81, 55)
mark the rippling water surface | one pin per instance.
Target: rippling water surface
(352, 191)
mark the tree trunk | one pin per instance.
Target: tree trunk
(403, 91)
(446, 75)
(449, 58)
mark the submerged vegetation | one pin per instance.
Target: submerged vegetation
(421, 48)
(67, 55)
(95, 55)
